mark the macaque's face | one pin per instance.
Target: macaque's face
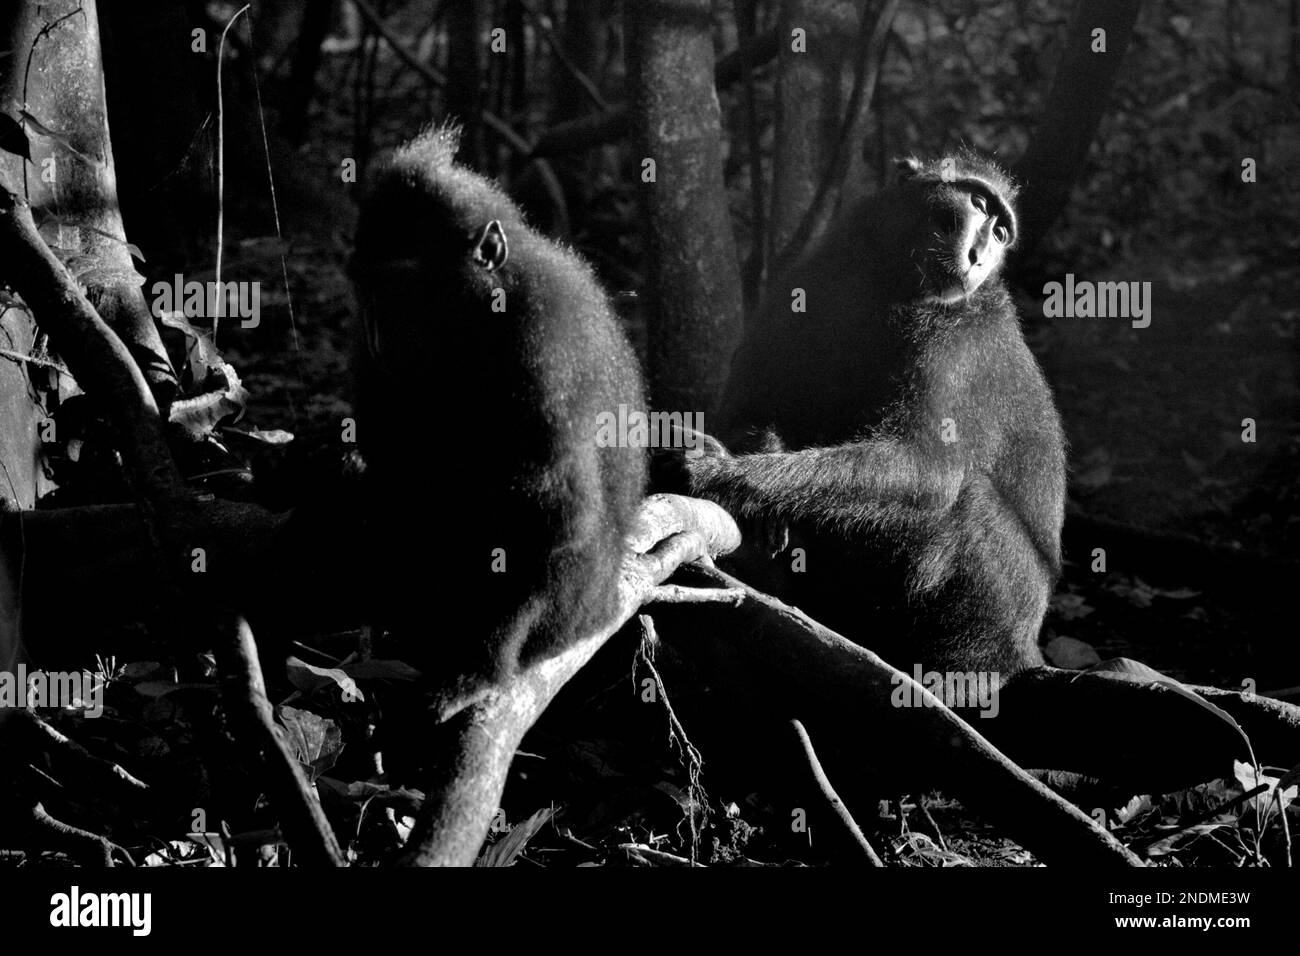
(943, 230)
(970, 230)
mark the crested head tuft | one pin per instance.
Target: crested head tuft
(434, 148)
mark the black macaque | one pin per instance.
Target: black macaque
(901, 431)
(486, 354)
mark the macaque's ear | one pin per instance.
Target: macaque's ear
(490, 247)
(907, 168)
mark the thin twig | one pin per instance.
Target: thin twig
(833, 801)
(33, 360)
(557, 48)
(676, 732)
(436, 76)
(221, 157)
(681, 594)
(930, 822)
(279, 232)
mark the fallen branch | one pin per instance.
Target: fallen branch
(1142, 736)
(838, 810)
(472, 752)
(29, 731)
(244, 696)
(86, 848)
(844, 692)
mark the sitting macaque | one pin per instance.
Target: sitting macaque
(886, 411)
(485, 355)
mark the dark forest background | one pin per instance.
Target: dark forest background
(1133, 168)
(1153, 415)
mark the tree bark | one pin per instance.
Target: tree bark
(56, 71)
(809, 104)
(694, 278)
(301, 87)
(1078, 99)
(465, 62)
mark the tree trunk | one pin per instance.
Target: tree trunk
(306, 63)
(694, 279)
(809, 106)
(165, 178)
(1078, 99)
(465, 60)
(56, 71)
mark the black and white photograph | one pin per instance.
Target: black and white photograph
(650, 434)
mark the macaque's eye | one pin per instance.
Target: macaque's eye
(979, 202)
(1002, 233)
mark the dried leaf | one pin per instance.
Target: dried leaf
(507, 849)
(1071, 654)
(315, 740)
(13, 139)
(61, 138)
(308, 677)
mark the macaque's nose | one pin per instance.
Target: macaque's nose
(980, 243)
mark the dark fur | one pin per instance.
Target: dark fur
(478, 426)
(932, 553)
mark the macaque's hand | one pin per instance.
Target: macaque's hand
(671, 466)
(686, 467)
(764, 535)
